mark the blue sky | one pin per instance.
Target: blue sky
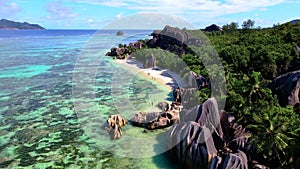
(95, 14)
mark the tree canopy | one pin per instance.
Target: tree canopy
(252, 59)
(230, 27)
(249, 24)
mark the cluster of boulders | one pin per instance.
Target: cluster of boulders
(136, 45)
(155, 120)
(119, 53)
(124, 51)
(170, 114)
(150, 121)
(208, 138)
(173, 39)
(201, 136)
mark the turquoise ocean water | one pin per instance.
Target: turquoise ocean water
(56, 91)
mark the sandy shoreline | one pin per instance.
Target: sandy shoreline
(162, 76)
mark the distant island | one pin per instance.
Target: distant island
(12, 25)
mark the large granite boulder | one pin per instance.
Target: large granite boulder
(177, 94)
(207, 115)
(114, 124)
(142, 119)
(194, 146)
(165, 106)
(221, 123)
(155, 120)
(191, 145)
(208, 138)
(213, 28)
(188, 98)
(197, 81)
(173, 39)
(286, 87)
(236, 160)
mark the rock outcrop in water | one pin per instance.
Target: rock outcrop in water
(155, 120)
(286, 87)
(114, 124)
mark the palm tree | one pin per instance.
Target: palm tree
(293, 152)
(270, 134)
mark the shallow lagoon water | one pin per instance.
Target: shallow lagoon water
(41, 126)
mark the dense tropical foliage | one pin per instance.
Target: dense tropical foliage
(252, 58)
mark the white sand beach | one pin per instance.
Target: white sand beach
(162, 76)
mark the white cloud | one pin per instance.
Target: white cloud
(194, 11)
(203, 7)
(8, 8)
(263, 9)
(148, 21)
(90, 20)
(111, 3)
(119, 15)
(58, 11)
(93, 23)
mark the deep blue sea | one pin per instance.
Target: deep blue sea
(56, 91)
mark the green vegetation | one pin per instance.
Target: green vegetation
(249, 24)
(230, 27)
(164, 59)
(252, 58)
